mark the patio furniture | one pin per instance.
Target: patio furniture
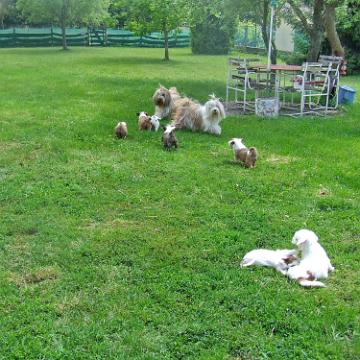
(240, 78)
(334, 65)
(314, 86)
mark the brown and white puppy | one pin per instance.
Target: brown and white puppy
(155, 123)
(144, 121)
(191, 115)
(169, 139)
(242, 154)
(121, 130)
(164, 100)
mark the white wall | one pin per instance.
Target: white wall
(284, 37)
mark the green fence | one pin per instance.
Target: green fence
(249, 36)
(33, 37)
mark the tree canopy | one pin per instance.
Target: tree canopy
(64, 12)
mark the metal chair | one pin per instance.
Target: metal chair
(334, 65)
(313, 85)
(240, 78)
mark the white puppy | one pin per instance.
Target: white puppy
(155, 122)
(314, 263)
(277, 259)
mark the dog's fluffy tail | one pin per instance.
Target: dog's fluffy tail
(253, 152)
(311, 283)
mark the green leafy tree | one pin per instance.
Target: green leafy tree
(7, 9)
(119, 11)
(317, 19)
(257, 12)
(348, 25)
(307, 15)
(146, 16)
(64, 12)
(330, 26)
(212, 26)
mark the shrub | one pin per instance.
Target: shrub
(209, 37)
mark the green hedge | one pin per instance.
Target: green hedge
(208, 37)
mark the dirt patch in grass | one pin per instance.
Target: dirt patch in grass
(109, 224)
(280, 159)
(10, 145)
(68, 303)
(35, 277)
(323, 191)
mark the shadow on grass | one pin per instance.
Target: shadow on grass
(131, 60)
(198, 90)
(49, 51)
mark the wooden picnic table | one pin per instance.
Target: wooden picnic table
(278, 70)
(279, 67)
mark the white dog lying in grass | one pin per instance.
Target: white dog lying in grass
(314, 263)
(277, 259)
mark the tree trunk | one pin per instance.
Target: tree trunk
(264, 22)
(331, 32)
(166, 44)
(64, 12)
(316, 33)
(63, 34)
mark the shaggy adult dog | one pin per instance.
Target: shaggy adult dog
(314, 263)
(164, 100)
(277, 259)
(189, 114)
(246, 156)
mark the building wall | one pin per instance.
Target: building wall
(284, 37)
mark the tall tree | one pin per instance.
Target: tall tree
(310, 20)
(146, 16)
(316, 18)
(330, 27)
(7, 8)
(348, 26)
(212, 27)
(64, 12)
(257, 12)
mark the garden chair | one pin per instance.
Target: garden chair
(334, 65)
(241, 78)
(314, 88)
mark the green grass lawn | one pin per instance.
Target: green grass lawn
(120, 250)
